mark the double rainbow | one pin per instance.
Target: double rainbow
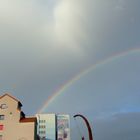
(70, 82)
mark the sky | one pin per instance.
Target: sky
(45, 44)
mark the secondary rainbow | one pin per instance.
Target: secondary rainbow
(62, 88)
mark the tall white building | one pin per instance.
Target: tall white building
(46, 126)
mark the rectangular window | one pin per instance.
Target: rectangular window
(1, 127)
(1, 117)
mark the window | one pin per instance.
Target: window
(1, 117)
(0, 137)
(42, 132)
(3, 106)
(1, 127)
(44, 126)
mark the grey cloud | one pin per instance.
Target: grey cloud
(41, 47)
(119, 126)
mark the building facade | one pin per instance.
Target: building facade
(46, 128)
(13, 123)
(53, 127)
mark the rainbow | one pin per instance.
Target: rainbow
(66, 85)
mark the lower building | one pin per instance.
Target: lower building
(15, 126)
(13, 123)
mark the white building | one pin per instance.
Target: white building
(46, 126)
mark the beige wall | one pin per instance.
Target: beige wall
(12, 108)
(13, 128)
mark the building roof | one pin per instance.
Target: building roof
(11, 97)
(30, 119)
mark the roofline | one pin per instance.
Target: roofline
(28, 120)
(7, 94)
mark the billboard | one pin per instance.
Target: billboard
(63, 127)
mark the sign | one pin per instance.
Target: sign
(1, 127)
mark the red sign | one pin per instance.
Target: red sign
(1, 127)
